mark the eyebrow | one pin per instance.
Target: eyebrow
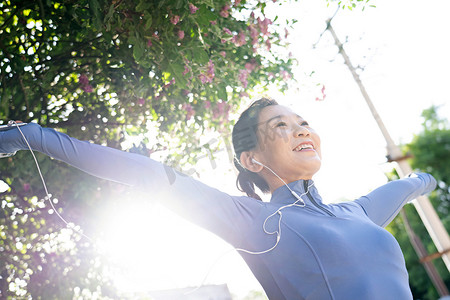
(280, 117)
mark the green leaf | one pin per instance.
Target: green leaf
(108, 17)
(176, 69)
(138, 51)
(204, 16)
(179, 4)
(222, 93)
(143, 5)
(148, 20)
(200, 56)
(95, 9)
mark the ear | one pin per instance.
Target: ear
(246, 161)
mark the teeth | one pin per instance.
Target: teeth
(303, 146)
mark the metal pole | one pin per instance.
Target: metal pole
(423, 205)
(422, 253)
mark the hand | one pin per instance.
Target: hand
(12, 122)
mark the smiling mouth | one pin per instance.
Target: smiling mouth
(302, 147)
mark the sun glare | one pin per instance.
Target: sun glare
(150, 248)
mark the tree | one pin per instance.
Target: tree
(104, 70)
(430, 150)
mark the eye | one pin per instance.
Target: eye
(304, 123)
(280, 124)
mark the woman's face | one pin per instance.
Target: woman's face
(287, 145)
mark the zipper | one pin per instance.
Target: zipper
(305, 183)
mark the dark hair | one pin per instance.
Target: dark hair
(245, 138)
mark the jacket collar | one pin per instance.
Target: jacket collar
(283, 194)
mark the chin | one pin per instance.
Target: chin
(315, 168)
(310, 171)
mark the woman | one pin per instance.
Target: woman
(295, 245)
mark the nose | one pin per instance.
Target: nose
(300, 130)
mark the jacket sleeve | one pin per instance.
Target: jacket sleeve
(208, 207)
(384, 203)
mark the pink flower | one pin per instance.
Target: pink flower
(224, 12)
(240, 39)
(211, 69)
(250, 67)
(323, 94)
(285, 75)
(223, 53)
(268, 44)
(85, 86)
(169, 84)
(186, 69)
(180, 34)
(264, 25)
(141, 101)
(221, 107)
(190, 112)
(83, 79)
(221, 111)
(213, 22)
(207, 104)
(210, 73)
(243, 75)
(203, 78)
(253, 34)
(149, 43)
(227, 31)
(253, 31)
(26, 187)
(175, 19)
(236, 3)
(192, 8)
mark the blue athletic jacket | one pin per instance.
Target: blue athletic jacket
(334, 251)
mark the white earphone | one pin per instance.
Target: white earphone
(292, 192)
(278, 211)
(257, 162)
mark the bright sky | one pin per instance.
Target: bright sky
(403, 47)
(404, 50)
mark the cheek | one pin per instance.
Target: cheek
(318, 144)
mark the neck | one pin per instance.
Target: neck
(274, 182)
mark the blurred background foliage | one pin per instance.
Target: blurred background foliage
(108, 71)
(430, 150)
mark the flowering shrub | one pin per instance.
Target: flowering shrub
(133, 62)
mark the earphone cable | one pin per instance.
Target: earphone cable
(48, 195)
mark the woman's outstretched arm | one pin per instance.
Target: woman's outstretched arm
(384, 203)
(204, 205)
(103, 162)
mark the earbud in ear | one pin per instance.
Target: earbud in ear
(256, 162)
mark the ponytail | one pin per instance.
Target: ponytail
(246, 181)
(246, 185)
